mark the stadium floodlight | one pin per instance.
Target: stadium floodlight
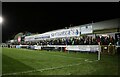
(1, 19)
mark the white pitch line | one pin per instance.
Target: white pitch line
(41, 70)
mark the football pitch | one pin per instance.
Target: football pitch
(42, 62)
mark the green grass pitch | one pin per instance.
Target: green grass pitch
(41, 62)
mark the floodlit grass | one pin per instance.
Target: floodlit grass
(41, 62)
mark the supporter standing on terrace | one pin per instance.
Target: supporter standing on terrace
(111, 39)
(98, 39)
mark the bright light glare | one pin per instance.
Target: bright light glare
(1, 19)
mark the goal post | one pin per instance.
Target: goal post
(99, 51)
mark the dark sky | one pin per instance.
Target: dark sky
(42, 17)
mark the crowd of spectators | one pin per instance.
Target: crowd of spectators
(82, 40)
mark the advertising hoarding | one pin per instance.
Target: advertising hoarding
(86, 29)
(65, 33)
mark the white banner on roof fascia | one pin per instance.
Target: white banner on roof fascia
(29, 38)
(42, 36)
(86, 29)
(65, 33)
(72, 32)
(37, 37)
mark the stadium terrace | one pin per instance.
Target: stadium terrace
(104, 33)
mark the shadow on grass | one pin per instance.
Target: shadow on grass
(10, 65)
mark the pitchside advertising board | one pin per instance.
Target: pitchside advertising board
(37, 47)
(65, 33)
(92, 48)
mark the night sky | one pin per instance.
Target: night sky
(42, 17)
